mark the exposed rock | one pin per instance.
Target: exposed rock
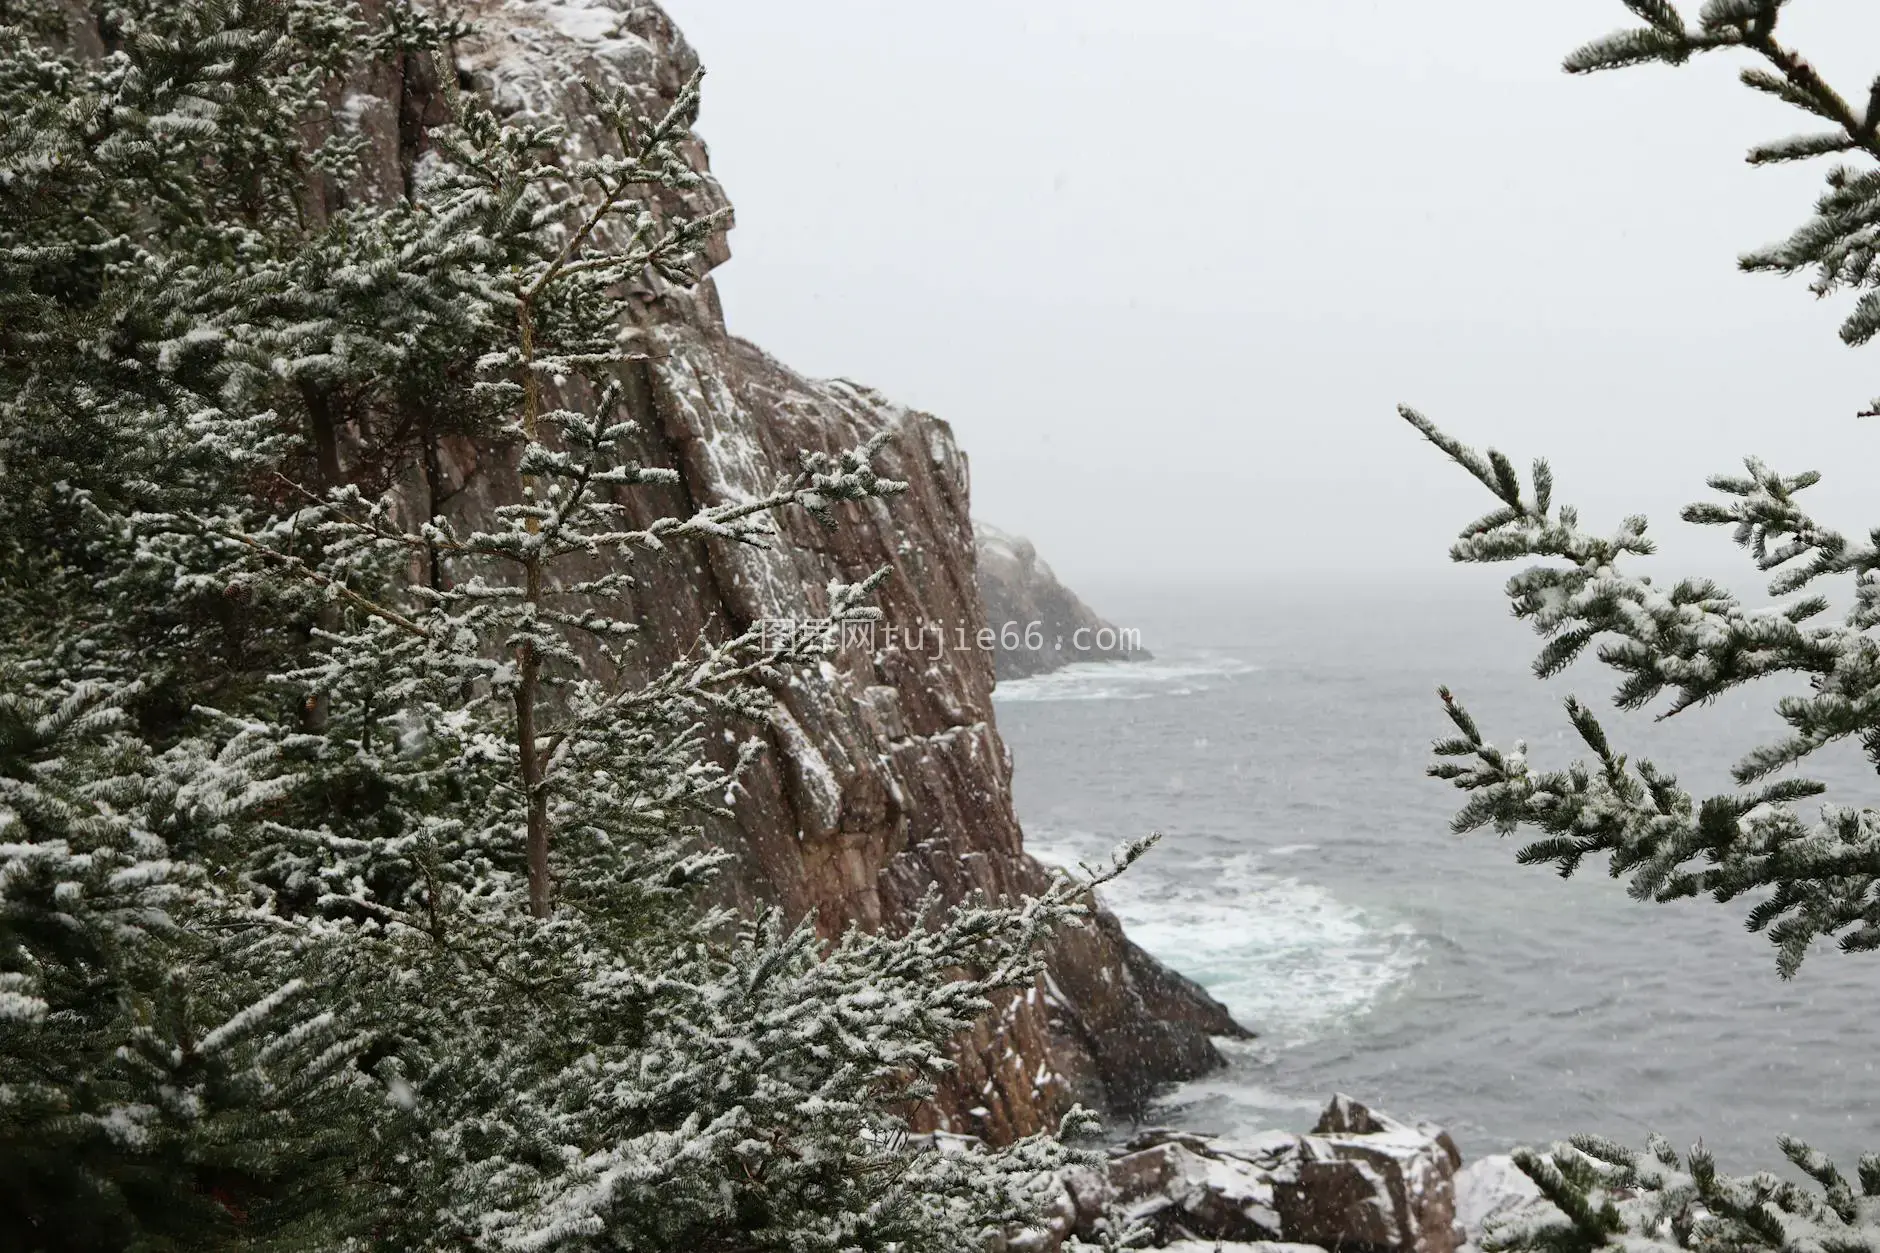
(1360, 1181)
(1035, 623)
(1366, 1181)
(885, 773)
(1181, 1192)
(1491, 1189)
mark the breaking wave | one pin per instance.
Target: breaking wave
(1285, 956)
(1124, 680)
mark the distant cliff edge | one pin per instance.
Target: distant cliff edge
(1037, 624)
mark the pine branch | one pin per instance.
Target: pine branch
(1700, 642)
(1807, 83)
(300, 569)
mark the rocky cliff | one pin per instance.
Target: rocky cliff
(1035, 623)
(886, 774)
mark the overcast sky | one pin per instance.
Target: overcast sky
(1168, 267)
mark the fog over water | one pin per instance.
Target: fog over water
(1167, 268)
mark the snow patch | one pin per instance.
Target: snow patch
(586, 23)
(813, 784)
(1490, 1188)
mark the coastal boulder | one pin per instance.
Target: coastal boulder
(1182, 1185)
(1189, 1187)
(1360, 1181)
(1365, 1182)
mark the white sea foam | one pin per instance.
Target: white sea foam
(1284, 955)
(1242, 1108)
(1125, 680)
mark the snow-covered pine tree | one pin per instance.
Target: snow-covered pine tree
(1694, 640)
(163, 1083)
(343, 848)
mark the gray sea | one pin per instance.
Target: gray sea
(1308, 877)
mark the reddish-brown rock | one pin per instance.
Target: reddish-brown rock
(885, 772)
(1366, 1182)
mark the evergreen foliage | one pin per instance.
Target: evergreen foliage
(348, 869)
(1693, 641)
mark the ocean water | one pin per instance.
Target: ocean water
(1308, 877)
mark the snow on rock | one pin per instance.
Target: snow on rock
(1366, 1180)
(814, 790)
(1183, 1188)
(1360, 1181)
(1490, 1189)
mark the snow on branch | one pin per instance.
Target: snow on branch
(1696, 641)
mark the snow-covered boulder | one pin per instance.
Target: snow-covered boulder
(1183, 1185)
(1363, 1180)
(1489, 1189)
(1360, 1181)
(1190, 1187)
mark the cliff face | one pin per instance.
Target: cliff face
(1037, 623)
(885, 773)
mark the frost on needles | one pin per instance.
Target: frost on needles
(348, 861)
(1690, 642)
